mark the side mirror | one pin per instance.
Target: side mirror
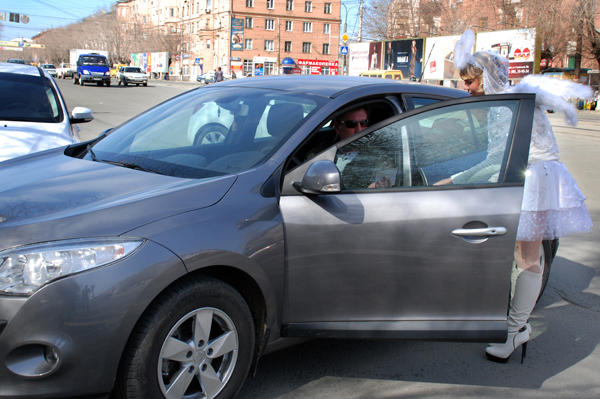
(322, 177)
(81, 115)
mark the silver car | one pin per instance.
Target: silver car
(33, 114)
(50, 68)
(152, 262)
(132, 75)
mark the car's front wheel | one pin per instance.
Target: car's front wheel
(194, 341)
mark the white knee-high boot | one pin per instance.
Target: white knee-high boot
(526, 291)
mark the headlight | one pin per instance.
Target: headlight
(86, 72)
(107, 73)
(23, 270)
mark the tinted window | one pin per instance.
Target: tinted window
(420, 102)
(208, 132)
(28, 99)
(133, 70)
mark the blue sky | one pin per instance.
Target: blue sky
(45, 14)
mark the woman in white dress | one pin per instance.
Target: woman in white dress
(553, 206)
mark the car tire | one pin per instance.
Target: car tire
(100, 83)
(165, 344)
(108, 84)
(145, 84)
(137, 85)
(211, 134)
(119, 82)
(125, 83)
(81, 83)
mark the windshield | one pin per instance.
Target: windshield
(135, 70)
(48, 66)
(207, 133)
(25, 98)
(94, 60)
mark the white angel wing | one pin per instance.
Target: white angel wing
(463, 51)
(553, 93)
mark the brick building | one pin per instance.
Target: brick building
(269, 36)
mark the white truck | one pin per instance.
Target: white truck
(74, 56)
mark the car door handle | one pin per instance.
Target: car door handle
(485, 232)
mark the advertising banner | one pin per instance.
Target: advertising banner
(439, 58)
(375, 55)
(358, 58)
(159, 62)
(518, 45)
(237, 34)
(237, 66)
(144, 62)
(405, 56)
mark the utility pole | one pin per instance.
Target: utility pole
(181, 47)
(360, 18)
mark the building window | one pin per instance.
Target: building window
(327, 29)
(325, 70)
(288, 46)
(289, 5)
(270, 4)
(249, 23)
(249, 3)
(327, 8)
(305, 69)
(247, 67)
(248, 44)
(170, 12)
(325, 48)
(269, 45)
(269, 68)
(289, 26)
(308, 6)
(209, 4)
(306, 47)
(269, 24)
(307, 27)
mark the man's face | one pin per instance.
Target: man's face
(352, 118)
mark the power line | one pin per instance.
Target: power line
(56, 8)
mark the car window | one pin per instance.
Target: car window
(207, 133)
(466, 142)
(94, 60)
(421, 102)
(133, 70)
(28, 99)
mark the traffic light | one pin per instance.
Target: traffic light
(14, 17)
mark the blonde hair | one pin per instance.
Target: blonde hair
(472, 72)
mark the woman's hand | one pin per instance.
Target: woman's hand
(443, 182)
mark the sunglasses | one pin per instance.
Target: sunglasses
(353, 124)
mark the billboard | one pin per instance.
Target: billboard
(405, 56)
(237, 34)
(518, 45)
(375, 55)
(439, 58)
(151, 62)
(358, 58)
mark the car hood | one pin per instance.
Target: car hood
(22, 138)
(50, 196)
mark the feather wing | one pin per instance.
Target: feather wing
(463, 51)
(553, 93)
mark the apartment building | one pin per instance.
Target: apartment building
(250, 37)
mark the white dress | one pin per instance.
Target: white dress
(553, 206)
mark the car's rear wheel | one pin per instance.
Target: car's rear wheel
(549, 248)
(195, 341)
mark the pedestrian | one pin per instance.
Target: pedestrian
(233, 75)
(219, 75)
(553, 206)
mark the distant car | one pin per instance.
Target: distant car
(50, 68)
(15, 61)
(209, 77)
(164, 257)
(132, 75)
(33, 114)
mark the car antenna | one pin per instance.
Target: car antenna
(423, 73)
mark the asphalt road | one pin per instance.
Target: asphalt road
(563, 357)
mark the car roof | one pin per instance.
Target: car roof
(21, 69)
(330, 86)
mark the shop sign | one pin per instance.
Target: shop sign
(319, 63)
(315, 70)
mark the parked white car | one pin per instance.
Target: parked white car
(33, 115)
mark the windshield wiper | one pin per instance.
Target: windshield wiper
(128, 165)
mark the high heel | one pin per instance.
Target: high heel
(500, 353)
